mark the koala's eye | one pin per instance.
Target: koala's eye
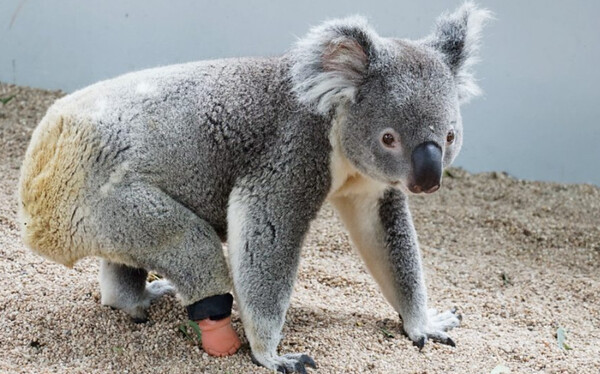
(450, 136)
(388, 139)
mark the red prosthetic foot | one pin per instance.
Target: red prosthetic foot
(218, 337)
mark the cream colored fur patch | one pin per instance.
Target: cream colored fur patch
(355, 197)
(52, 178)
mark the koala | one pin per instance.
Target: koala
(156, 169)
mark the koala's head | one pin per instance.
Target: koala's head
(397, 101)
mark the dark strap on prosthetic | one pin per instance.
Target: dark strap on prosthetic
(214, 307)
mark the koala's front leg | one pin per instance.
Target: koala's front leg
(381, 228)
(265, 236)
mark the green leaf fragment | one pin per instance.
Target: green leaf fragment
(561, 337)
(196, 338)
(387, 333)
(500, 369)
(196, 329)
(506, 281)
(118, 349)
(5, 100)
(183, 329)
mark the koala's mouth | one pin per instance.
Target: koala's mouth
(412, 188)
(417, 189)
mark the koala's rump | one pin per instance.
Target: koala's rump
(50, 187)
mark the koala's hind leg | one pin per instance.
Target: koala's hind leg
(125, 288)
(144, 226)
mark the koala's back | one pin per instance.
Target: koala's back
(189, 130)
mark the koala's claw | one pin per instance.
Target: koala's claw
(420, 343)
(434, 328)
(289, 363)
(299, 366)
(443, 339)
(139, 320)
(310, 362)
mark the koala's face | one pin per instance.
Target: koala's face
(405, 126)
(399, 99)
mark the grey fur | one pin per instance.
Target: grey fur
(405, 260)
(457, 36)
(125, 288)
(247, 150)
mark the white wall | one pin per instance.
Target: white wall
(539, 118)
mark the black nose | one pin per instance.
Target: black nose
(427, 168)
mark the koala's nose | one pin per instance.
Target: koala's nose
(427, 168)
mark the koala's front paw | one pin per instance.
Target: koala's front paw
(434, 328)
(289, 363)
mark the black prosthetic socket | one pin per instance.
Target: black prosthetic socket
(214, 307)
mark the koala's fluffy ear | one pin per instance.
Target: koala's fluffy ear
(457, 36)
(331, 61)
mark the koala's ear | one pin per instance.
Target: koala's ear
(331, 61)
(457, 36)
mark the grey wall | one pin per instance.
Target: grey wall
(539, 118)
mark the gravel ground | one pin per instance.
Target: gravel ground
(519, 259)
